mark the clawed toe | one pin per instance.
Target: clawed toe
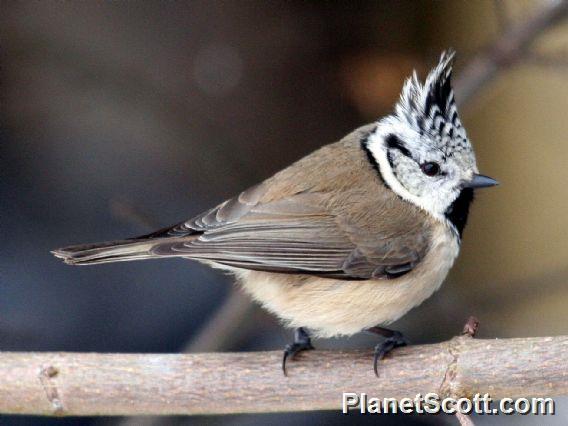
(301, 343)
(395, 340)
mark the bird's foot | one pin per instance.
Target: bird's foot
(394, 339)
(302, 342)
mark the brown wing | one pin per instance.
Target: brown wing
(306, 233)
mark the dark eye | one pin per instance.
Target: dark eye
(430, 169)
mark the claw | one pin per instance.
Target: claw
(284, 358)
(302, 342)
(396, 340)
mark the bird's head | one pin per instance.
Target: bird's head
(422, 149)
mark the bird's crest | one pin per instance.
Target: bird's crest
(430, 108)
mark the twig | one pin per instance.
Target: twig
(508, 49)
(469, 329)
(215, 383)
(501, 14)
(128, 213)
(226, 325)
(471, 326)
(464, 419)
(558, 59)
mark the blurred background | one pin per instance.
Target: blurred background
(121, 117)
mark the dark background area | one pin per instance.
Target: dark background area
(118, 117)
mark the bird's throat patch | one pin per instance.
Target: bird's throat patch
(458, 211)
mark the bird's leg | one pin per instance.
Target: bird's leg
(394, 339)
(302, 342)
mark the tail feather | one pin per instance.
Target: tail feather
(110, 251)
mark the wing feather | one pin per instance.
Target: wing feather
(297, 234)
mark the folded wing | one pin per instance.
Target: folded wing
(297, 234)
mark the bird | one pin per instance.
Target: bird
(350, 237)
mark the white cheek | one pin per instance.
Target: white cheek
(412, 180)
(437, 198)
(432, 203)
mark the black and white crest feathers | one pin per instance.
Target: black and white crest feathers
(430, 108)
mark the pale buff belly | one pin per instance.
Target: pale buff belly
(330, 307)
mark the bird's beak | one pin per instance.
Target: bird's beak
(480, 181)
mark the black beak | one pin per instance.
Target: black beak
(480, 181)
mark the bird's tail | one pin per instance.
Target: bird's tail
(110, 251)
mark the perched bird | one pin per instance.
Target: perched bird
(350, 237)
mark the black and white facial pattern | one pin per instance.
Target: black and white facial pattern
(422, 149)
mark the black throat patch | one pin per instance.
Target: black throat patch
(458, 211)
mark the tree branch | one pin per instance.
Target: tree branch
(81, 384)
(508, 49)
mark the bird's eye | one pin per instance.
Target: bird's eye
(430, 169)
